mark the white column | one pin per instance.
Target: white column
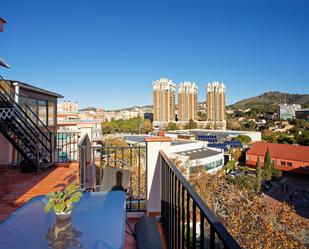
(16, 91)
(153, 147)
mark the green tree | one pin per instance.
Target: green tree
(285, 139)
(267, 166)
(269, 136)
(229, 166)
(275, 172)
(250, 125)
(171, 126)
(244, 139)
(303, 139)
(191, 124)
(258, 174)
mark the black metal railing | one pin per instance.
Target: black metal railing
(32, 139)
(125, 157)
(66, 149)
(187, 221)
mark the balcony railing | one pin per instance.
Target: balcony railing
(66, 149)
(186, 219)
(93, 160)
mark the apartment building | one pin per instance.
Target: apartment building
(68, 106)
(286, 111)
(163, 101)
(187, 101)
(70, 120)
(302, 114)
(215, 101)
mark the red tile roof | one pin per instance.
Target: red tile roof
(284, 151)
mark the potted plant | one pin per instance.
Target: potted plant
(62, 201)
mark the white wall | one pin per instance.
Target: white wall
(202, 161)
(154, 145)
(188, 146)
(5, 151)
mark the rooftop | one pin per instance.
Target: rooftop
(284, 151)
(198, 153)
(36, 89)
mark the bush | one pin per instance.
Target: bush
(244, 139)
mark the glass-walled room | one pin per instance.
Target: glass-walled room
(45, 110)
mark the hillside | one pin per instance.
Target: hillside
(273, 99)
(87, 109)
(270, 100)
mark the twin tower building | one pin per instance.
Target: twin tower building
(164, 104)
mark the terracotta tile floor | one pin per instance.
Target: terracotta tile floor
(17, 188)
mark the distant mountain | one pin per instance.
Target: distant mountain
(131, 108)
(87, 109)
(269, 99)
(273, 99)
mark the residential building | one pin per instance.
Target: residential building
(286, 111)
(68, 106)
(187, 101)
(302, 114)
(28, 119)
(286, 157)
(163, 101)
(215, 101)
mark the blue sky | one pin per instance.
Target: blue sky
(108, 53)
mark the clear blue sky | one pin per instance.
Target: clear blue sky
(108, 53)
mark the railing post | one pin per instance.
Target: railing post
(87, 166)
(153, 168)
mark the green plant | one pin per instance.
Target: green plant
(275, 172)
(267, 166)
(62, 201)
(244, 139)
(258, 173)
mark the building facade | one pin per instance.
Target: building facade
(215, 102)
(38, 105)
(187, 101)
(196, 156)
(286, 157)
(302, 114)
(286, 111)
(68, 106)
(163, 101)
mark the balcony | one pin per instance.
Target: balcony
(157, 189)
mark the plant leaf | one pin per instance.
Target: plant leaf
(59, 207)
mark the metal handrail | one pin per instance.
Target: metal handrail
(28, 108)
(86, 159)
(225, 237)
(33, 128)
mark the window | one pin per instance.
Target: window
(43, 111)
(289, 164)
(213, 165)
(283, 163)
(51, 113)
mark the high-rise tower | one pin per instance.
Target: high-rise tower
(187, 101)
(163, 101)
(215, 103)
